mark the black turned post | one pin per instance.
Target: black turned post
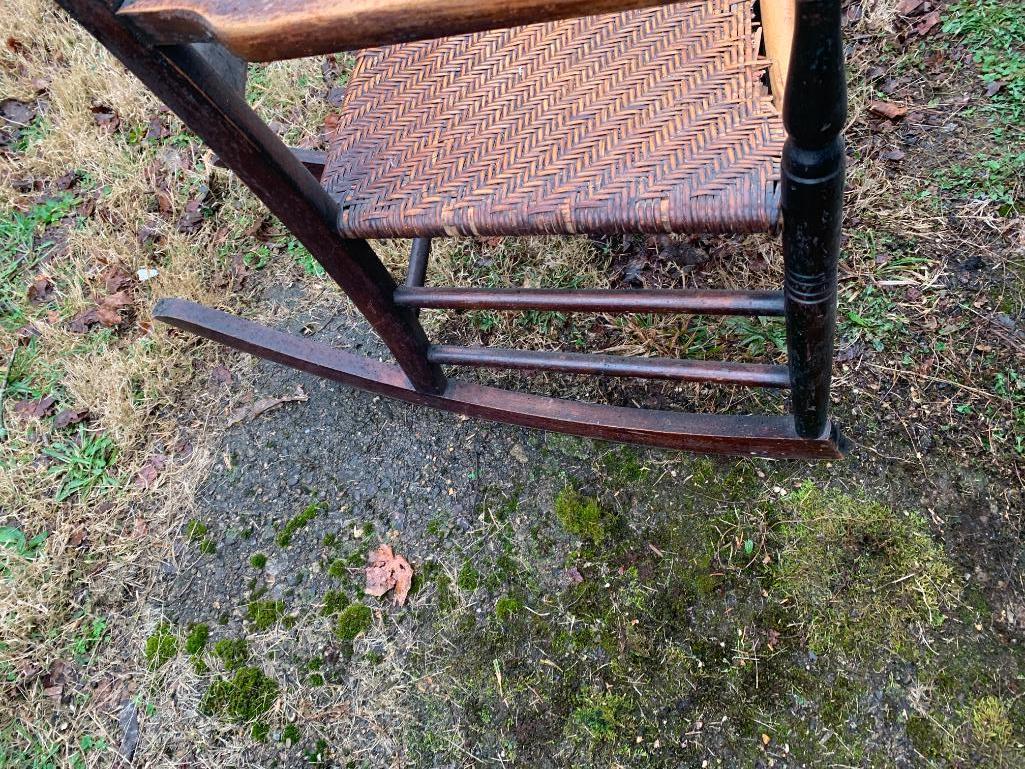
(814, 111)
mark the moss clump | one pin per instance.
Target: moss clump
(338, 569)
(601, 719)
(259, 731)
(582, 516)
(208, 547)
(199, 664)
(284, 538)
(330, 539)
(319, 753)
(244, 697)
(334, 602)
(290, 735)
(258, 560)
(161, 646)
(354, 620)
(315, 679)
(263, 614)
(507, 607)
(859, 574)
(990, 721)
(468, 578)
(232, 652)
(195, 529)
(924, 737)
(197, 638)
(622, 467)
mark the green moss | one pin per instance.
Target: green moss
(352, 621)
(259, 731)
(923, 736)
(233, 652)
(990, 721)
(582, 516)
(258, 560)
(199, 664)
(330, 539)
(859, 575)
(197, 638)
(338, 569)
(468, 578)
(319, 753)
(623, 467)
(263, 614)
(315, 679)
(507, 607)
(446, 598)
(334, 602)
(290, 735)
(293, 525)
(195, 529)
(208, 547)
(244, 697)
(161, 646)
(602, 718)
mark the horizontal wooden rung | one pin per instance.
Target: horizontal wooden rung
(745, 374)
(666, 302)
(266, 30)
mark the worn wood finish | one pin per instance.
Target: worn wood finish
(183, 79)
(312, 160)
(743, 374)
(419, 255)
(706, 433)
(613, 301)
(258, 30)
(813, 179)
(778, 18)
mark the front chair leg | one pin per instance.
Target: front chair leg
(814, 112)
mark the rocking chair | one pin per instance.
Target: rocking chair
(530, 117)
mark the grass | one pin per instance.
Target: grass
(644, 646)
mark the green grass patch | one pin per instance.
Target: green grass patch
(82, 464)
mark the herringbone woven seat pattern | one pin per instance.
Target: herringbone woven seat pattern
(646, 121)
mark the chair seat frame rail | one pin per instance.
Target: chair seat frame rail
(200, 77)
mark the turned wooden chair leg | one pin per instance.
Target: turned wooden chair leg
(814, 112)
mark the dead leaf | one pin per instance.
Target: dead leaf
(115, 279)
(18, 112)
(150, 470)
(385, 571)
(220, 375)
(264, 405)
(69, 417)
(40, 290)
(887, 110)
(157, 129)
(105, 117)
(926, 23)
(107, 313)
(192, 218)
(894, 155)
(573, 576)
(992, 89)
(909, 7)
(35, 409)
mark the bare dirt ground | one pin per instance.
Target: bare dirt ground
(181, 581)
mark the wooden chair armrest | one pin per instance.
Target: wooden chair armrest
(267, 30)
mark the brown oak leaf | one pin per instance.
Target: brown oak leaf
(35, 409)
(385, 571)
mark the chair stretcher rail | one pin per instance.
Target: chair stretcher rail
(260, 30)
(744, 374)
(766, 303)
(708, 433)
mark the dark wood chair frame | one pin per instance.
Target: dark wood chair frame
(182, 58)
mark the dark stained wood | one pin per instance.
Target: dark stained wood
(312, 160)
(418, 258)
(707, 433)
(815, 110)
(212, 107)
(260, 30)
(595, 300)
(745, 374)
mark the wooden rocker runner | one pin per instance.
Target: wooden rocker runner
(527, 117)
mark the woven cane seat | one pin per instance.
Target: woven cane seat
(648, 121)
